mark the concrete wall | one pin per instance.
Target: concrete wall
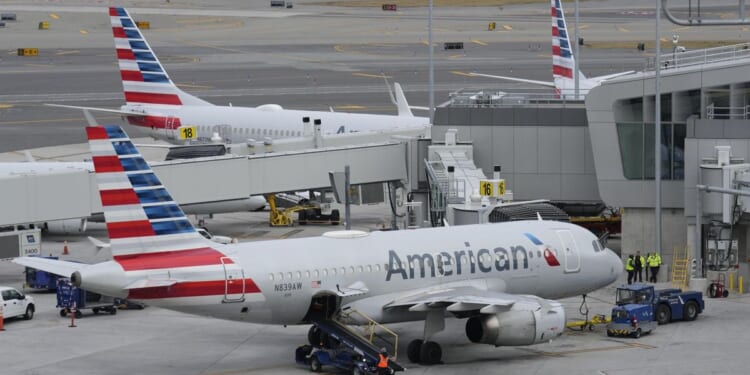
(544, 151)
(638, 234)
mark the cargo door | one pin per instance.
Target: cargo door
(234, 281)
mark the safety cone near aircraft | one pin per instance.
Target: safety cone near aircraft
(500, 277)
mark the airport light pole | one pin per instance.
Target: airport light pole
(432, 66)
(675, 40)
(657, 132)
(577, 56)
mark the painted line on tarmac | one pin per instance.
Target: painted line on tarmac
(370, 75)
(623, 345)
(459, 73)
(290, 233)
(508, 27)
(5, 106)
(477, 41)
(54, 16)
(73, 52)
(83, 32)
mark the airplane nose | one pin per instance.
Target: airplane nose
(615, 264)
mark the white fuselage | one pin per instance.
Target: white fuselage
(281, 277)
(238, 124)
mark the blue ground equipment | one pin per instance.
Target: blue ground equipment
(640, 308)
(69, 296)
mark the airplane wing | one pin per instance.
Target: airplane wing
(465, 299)
(515, 79)
(600, 79)
(57, 267)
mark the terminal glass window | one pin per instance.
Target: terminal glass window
(637, 150)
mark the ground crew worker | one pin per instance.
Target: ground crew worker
(630, 268)
(639, 263)
(383, 362)
(654, 261)
(646, 267)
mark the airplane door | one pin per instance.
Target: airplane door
(170, 127)
(234, 281)
(570, 251)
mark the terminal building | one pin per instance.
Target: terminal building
(602, 150)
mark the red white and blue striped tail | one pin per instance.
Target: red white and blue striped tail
(563, 63)
(144, 80)
(140, 214)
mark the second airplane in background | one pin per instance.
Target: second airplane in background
(155, 103)
(563, 63)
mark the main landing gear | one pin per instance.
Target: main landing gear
(425, 352)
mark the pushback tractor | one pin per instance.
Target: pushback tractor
(640, 308)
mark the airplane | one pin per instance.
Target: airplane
(501, 277)
(563, 63)
(161, 109)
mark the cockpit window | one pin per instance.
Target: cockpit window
(597, 246)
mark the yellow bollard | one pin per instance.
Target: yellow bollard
(740, 285)
(731, 282)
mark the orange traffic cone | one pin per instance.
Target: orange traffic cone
(65, 248)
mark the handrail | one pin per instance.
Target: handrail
(371, 326)
(698, 21)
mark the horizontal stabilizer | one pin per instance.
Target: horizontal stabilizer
(601, 79)
(515, 79)
(57, 267)
(106, 110)
(98, 243)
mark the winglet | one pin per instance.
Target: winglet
(401, 103)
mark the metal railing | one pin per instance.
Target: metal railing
(479, 98)
(728, 113)
(702, 56)
(371, 330)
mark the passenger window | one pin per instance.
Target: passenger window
(325, 272)
(377, 268)
(307, 274)
(270, 276)
(316, 273)
(351, 270)
(281, 276)
(369, 268)
(361, 269)
(299, 275)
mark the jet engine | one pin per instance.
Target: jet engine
(67, 226)
(518, 327)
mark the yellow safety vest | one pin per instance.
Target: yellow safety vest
(629, 265)
(654, 260)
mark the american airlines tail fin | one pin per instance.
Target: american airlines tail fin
(140, 214)
(144, 80)
(563, 61)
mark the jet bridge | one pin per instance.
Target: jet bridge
(61, 193)
(455, 183)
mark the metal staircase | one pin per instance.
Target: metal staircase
(680, 264)
(358, 343)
